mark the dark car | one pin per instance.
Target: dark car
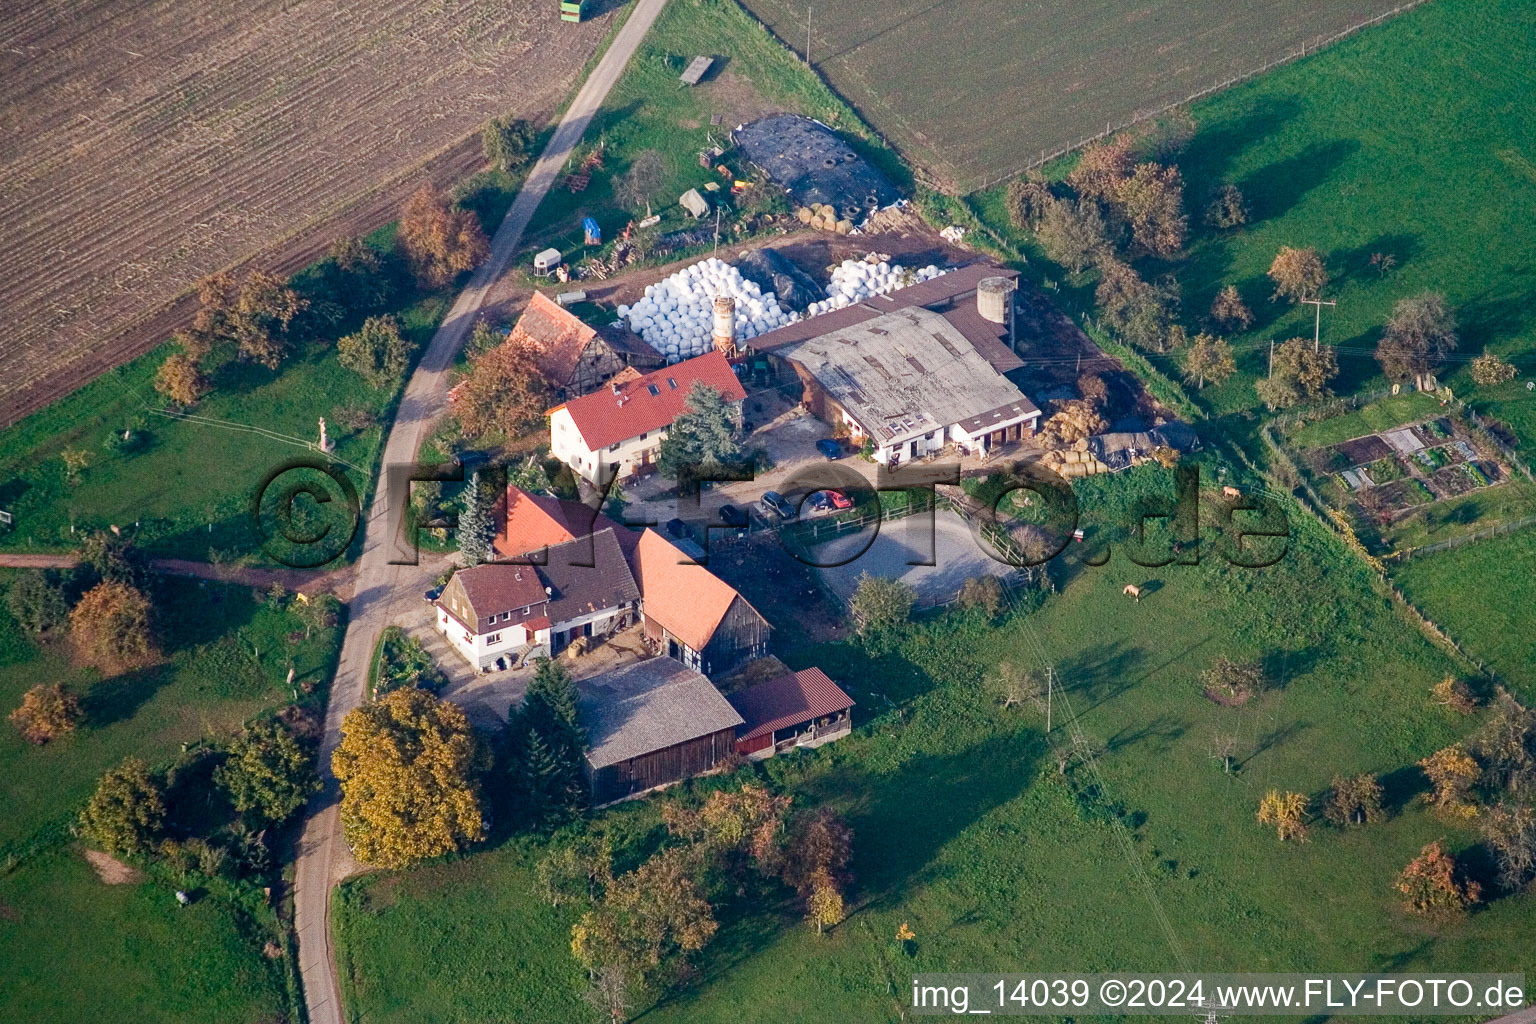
(433, 594)
(679, 529)
(830, 448)
(774, 503)
(471, 460)
(730, 515)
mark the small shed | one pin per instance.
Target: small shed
(545, 262)
(694, 202)
(804, 708)
(697, 70)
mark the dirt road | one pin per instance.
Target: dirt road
(383, 588)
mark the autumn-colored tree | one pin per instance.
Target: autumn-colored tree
(1298, 273)
(36, 601)
(1237, 680)
(1300, 374)
(984, 592)
(1510, 832)
(409, 766)
(1027, 199)
(1287, 812)
(1431, 885)
(1139, 311)
(1420, 334)
(47, 712)
(1489, 370)
(1353, 800)
(1455, 694)
(180, 381)
(1103, 166)
(824, 905)
(1073, 233)
(819, 841)
(1208, 358)
(648, 919)
(880, 605)
(1230, 311)
(502, 393)
(1151, 200)
(1505, 743)
(111, 627)
(377, 352)
(1452, 772)
(745, 826)
(440, 241)
(1227, 209)
(269, 773)
(125, 814)
(255, 314)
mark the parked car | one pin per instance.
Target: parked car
(830, 448)
(471, 460)
(838, 499)
(433, 594)
(730, 515)
(679, 529)
(773, 503)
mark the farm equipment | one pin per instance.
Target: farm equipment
(572, 10)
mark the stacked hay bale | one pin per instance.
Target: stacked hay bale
(823, 217)
(1065, 438)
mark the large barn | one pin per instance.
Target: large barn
(574, 357)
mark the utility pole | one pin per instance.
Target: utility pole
(1317, 323)
(717, 229)
(1271, 358)
(1050, 685)
(807, 35)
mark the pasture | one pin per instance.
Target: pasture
(966, 828)
(76, 948)
(149, 145)
(970, 91)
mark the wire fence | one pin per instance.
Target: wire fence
(1307, 46)
(1466, 538)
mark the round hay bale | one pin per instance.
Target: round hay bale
(804, 215)
(844, 226)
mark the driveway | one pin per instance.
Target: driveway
(955, 553)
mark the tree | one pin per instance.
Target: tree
(1209, 357)
(642, 181)
(36, 601)
(1227, 208)
(815, 862)
(320, 611)
(1431, 886)
(1238, 680)
(1230, 311)
(547, 746)
(180, 381)
(508, 142)
(108, 558)
(1299, 375)
(744, 827)
(476, 529)
(1103, 166)
(1140, 312)
(502, 393)
(1510, 832)
(377, 353)
(1452, 772)
(703, 437)
(1452, 693)
(409, 766)
(1027, 199)
(824, 905)
(47, 712)
(353, 275)
(1488, 370)
(125, 814)
(985, 592)
(111, 627)
(1298, 273)
(648, 919)
(1151, 200)
(440, 241)
(1353, 800)
(268, 772)
(1073, 234)
(610, 992)
(263, 310)
(1504, 744)
(576, 872)
(75, 461)
(880, 605)
(1013, 684)
(1420, 334)
(1286, 812)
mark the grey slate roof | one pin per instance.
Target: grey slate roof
(587, 579)
(649, 706)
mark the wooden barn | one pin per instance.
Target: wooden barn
(652, 723)
(692, 615)
(575, 358)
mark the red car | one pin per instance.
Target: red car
(838, 499)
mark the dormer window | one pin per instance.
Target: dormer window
(671, 383)
(653, 389)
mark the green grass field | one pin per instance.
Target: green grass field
(76, 949)
(965, 828)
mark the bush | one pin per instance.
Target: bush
(47, 712)
(1488, 370)
(983, 592)
(508, 142)
(125, 814)
(880, 605)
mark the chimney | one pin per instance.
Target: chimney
(725, 326)
(615, 386)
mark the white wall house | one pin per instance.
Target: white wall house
(619, 428)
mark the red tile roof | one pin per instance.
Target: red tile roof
(627, 409)
(679, 594)
(788, 700)
(556, 337)
(529, 523)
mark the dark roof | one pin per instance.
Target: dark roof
(815, 165)
(633, 348)
(587, 577)
(943, 295)
(649, 706)
(788, 700)
(496, 590)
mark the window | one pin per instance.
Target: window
(653, 389)
(493, 640)
(671, 383)
(645, 435)
(614, 447)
